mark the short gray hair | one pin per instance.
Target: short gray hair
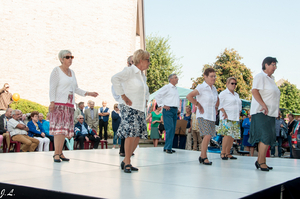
(79, 116)
(14, 112)
(63, 53)
(129, 59)
(171, 76)
(8, 109)
(41, 114)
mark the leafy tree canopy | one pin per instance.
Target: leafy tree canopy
(289, 97)
(228, 64)
(163, 62)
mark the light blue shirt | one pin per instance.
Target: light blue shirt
(84, 131)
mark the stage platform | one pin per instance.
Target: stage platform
(97, 173)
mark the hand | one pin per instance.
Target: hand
(281, 125)
(200, 108)
(154, 122)
(265, 109)
(51, 107)
(86, 138)
(225, 115)
(167, 108)
(126, 100)
(43, 135)
(96, 136)
(190, 130)
(26, 128)
(93, 94)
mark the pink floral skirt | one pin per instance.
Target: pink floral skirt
(62, 120)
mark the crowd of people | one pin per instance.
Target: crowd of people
(64, 124)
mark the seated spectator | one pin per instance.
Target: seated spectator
(18, 132)
(46, 125)
(4, 134)
(84, 132)
(36, 131)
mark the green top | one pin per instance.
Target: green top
(155, 118)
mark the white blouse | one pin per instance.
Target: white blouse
(208, 98)
(269, 92)
(132, 82)
(61, 85)
(168, 96)
(231, 103)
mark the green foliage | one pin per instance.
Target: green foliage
(27, 106)
(289, 97)
(163, 62)
(228, 65)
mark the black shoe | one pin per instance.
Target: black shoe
(134, 168)
(122, 154)
(201, 160)
(232, 157)
(169, 152)
(122, 165)
(224, 157)
(56, 160)
(270, 168)
(127, 170)
(173, 151)
(257, 165)
(63, 159)
(263, 169)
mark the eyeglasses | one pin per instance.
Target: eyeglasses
(81, 118)
(233, 83)
(68, 57)
(147, 60)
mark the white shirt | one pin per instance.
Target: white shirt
(269, 92)
(132, 82)
(208, 98)
(11, 127)
(61, 85)
(168, 96)
(118, 98)
(231, 103)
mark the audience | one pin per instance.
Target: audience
(79, 111)
(85, 133)
(18, 132)
(103, 119)
(4, 134)
(5, 98)
(91, 116)
(116, 120)
(36, 131)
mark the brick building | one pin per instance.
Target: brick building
(101, 34)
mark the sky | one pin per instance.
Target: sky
(200, 30)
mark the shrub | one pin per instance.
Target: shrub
(27, 106)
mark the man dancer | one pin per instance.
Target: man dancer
(168, 98)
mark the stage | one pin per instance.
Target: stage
(97, 173)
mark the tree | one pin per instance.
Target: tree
(289, 97)
(228, 65)
(163, 62)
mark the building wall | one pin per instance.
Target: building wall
(101, 35)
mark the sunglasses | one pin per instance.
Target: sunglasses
(68, 57)
(233, 83)
(81, 118)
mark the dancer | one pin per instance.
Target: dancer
(230, 107)
(264, 110)
(131, 85)
(207, 102)
(63, 85)
(168, 98)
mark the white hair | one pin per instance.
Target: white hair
(14, 112)
(41, 114)
(171, 76)
(79, 116)
(63, 53)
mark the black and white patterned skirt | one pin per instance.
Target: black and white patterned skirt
(133, 123)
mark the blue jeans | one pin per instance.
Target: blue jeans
(115, 139)
(279, 141)
(170, 120)
(289, 137)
